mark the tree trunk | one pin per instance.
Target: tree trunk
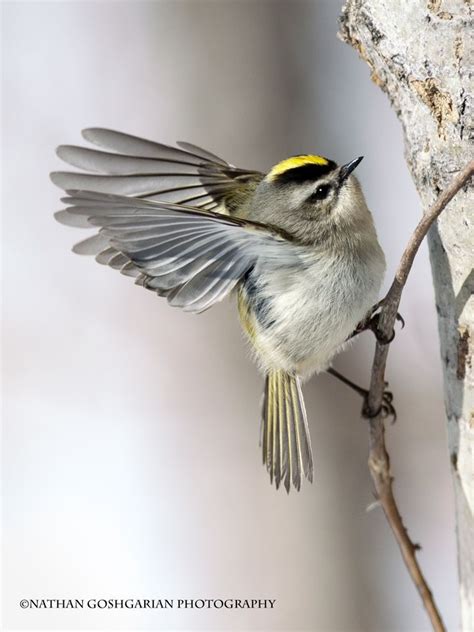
(418, 54)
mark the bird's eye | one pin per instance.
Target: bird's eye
(321, 192)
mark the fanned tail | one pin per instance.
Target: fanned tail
(285, 439)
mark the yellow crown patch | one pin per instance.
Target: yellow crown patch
(294, 162)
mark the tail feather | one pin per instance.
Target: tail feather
(285, 440)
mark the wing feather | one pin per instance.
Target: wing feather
(133, 185)
(135, 146)
(133, 166)
(164, 215)
(120, 164)
(194, 257)
(203, 153)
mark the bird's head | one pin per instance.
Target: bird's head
(309, 195)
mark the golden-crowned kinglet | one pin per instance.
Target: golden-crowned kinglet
(297, 245)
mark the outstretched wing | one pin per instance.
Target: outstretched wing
(192, 256)
(141, 168)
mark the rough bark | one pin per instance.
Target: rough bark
(418, 54)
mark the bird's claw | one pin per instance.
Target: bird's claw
(386, 410)
(372, 323)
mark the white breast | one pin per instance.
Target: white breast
(314, 311)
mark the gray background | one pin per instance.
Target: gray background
(131, 464)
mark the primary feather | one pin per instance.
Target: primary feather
(142, 168)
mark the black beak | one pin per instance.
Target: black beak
(346, 170)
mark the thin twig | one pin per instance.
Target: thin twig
(379, 461)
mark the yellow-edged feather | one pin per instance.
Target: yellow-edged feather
(247, 318)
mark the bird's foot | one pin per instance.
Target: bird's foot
(371, 322)
(387, 409)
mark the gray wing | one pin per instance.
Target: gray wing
(141, 168)
(192, 256)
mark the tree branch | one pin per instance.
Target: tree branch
(379, 461)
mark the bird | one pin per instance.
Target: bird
(297, 247)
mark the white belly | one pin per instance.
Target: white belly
(312, 313)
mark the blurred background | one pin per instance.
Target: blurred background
(131, 459)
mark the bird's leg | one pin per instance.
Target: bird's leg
(387, 408)
(371, 322)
